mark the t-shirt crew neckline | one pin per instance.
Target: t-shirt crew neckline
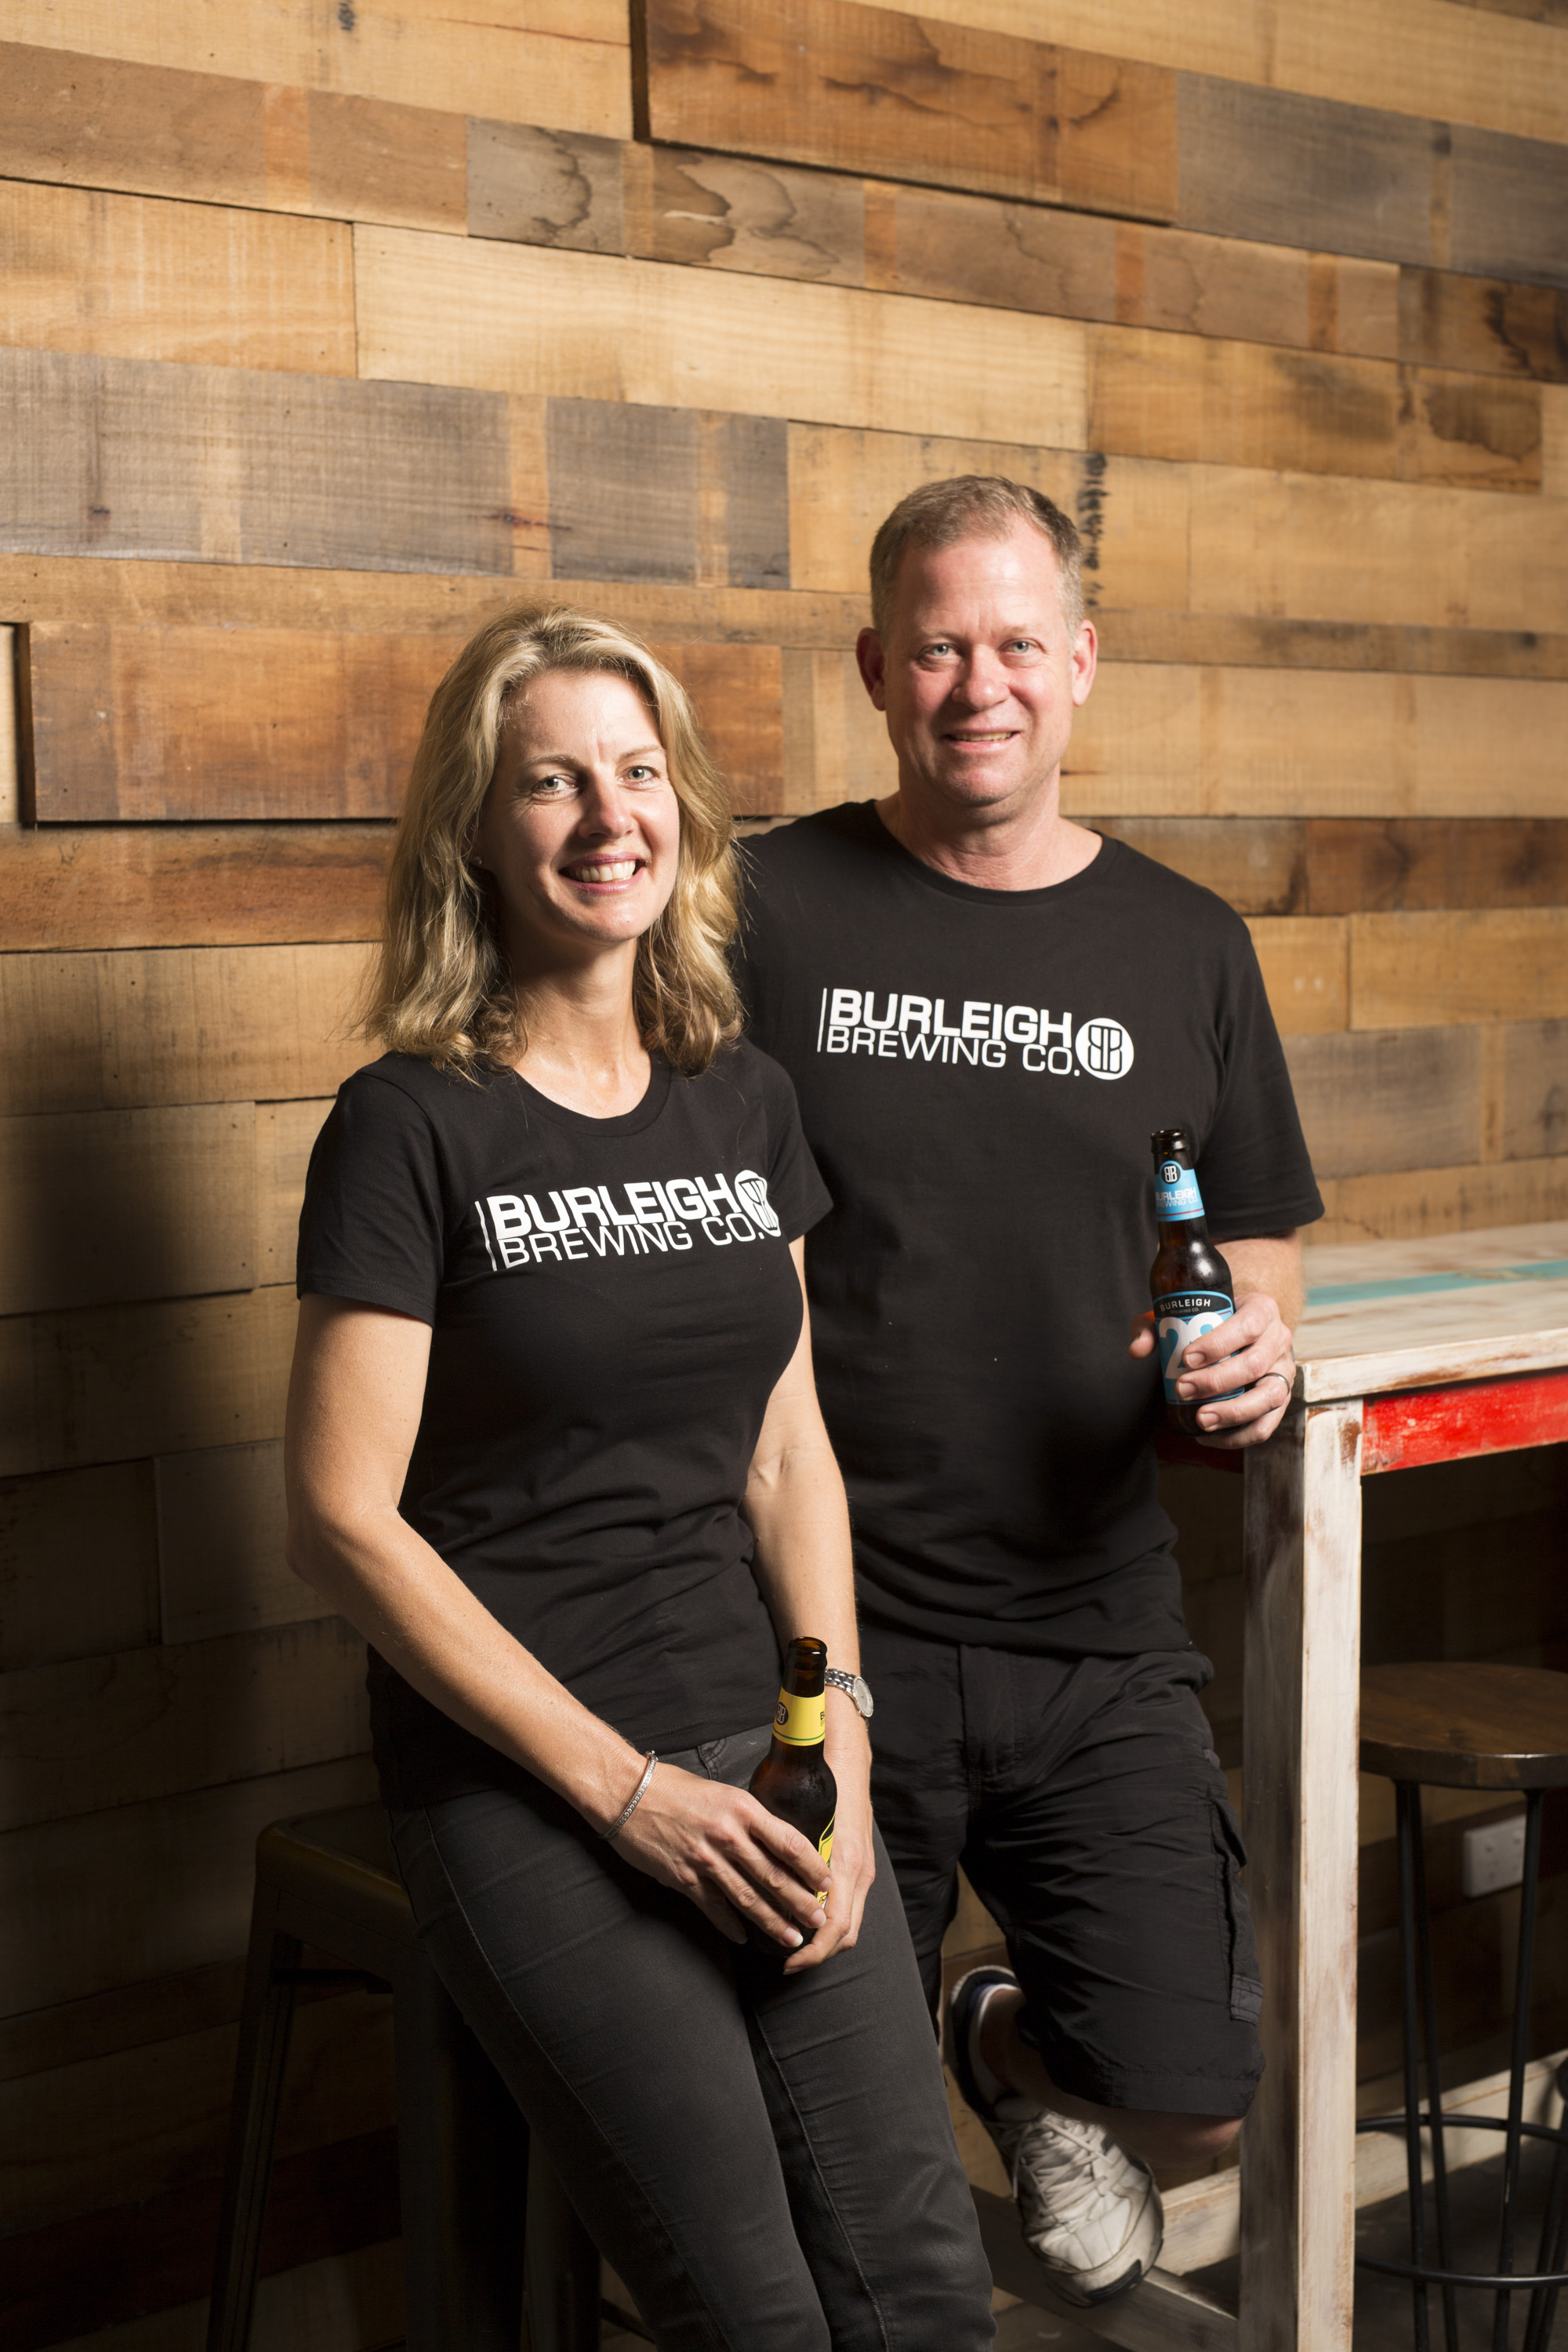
(951, 887)
(644, 1114)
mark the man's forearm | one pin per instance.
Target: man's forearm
(1271, 1263)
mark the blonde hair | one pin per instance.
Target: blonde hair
(974, 506)
(441, 988)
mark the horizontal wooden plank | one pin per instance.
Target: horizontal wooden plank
(1532, 1057)
(369, 159)
(251, 465)
(122, 1031)
(1447, 319)
(88, 2274)
(108, 1899)
(162, 2111)
(1411, 971)
(1257, 641)
(204, 283)
(1377, 1099)
(127, 2018)
(177, 886)
(1487, 1416)
(836, 743)
(285, 1132)
(1428, 1201)
(116, 1204)
(1305, 969)
(677, 494)
(115, 1383)
(1509, 206)
(536, 186)
(1401, 865)
(221, 1528)
(562, 62)
(527, 319)
(79, 1565)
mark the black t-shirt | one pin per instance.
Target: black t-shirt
(612, 1302)
(979, 1073)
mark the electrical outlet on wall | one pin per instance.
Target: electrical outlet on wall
(1491, 1856)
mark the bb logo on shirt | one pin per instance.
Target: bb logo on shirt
(584, 1220)
(916, 1028)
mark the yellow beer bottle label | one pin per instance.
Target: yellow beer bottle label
(824, 1848)
(801, 1722)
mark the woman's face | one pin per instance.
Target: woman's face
(580, 827)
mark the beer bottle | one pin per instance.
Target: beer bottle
(1189, 1283)
(793, 1779)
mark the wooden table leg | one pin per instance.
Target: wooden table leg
(1299, 1760)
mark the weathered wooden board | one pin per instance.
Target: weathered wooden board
(215, 886)
(238, 465)
(181, 1025)
(1450, 320)
(1384, 1098)
(836, 742)
(527, 319)
(1255, 641)
(1509, 206)
(206, 283)
(100, 1732)
(1403, 866)
(1554, 440)
(534, 186)
(677, 494)
(1534, 1118)
(562, 62)
(367, 158)
(1306, 970)
(1411, 970)
(114, 1383)
(1257, 864)
(765, 219)
(102, 122)
(102, 1205)
(221, 1527)
(285, 1132)
(1443, 1200)
(79, 1565)
(140, 1891)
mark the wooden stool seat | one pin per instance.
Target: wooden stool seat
(1453, 1726)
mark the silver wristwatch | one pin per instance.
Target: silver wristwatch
(858, 1688)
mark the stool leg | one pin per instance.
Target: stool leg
(563, 2275)
(1553, 2254)
(1520, 2051)
(462, 2165)
(1408, 1800)
(1434, 2071)
(266, 2014)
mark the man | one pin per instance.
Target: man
(987, 1010)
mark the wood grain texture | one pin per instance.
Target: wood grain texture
(240, 465)
(1414, 867)
(110, 1731)
(1292, 169)
(1450, 320)
(285, 1133)
(221, 1526)
(762, 219)
(1532, 1114)
(198, 1024)
(166, 885)
(372, 159)
(1371, 1100)
(836, 742)
(1306, 970)
(104, 1205)
(1509, 206)
(560, 62)
(677, 494)
(1440, 1201)
(526, 319)
(79, 1565)
(115, 1383)
(1411, 970)
(109, 1899)
(532, 186)
(204, 283)
(1259, 865)
(1257, 641)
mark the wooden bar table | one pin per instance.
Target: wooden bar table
(1409, 1352)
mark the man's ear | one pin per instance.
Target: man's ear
(873, 668)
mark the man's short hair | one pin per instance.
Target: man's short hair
(974, 506)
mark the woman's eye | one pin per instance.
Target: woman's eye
(550, 787)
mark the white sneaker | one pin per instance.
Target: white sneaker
(1091, 2213)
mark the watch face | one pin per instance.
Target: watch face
(862, 1698)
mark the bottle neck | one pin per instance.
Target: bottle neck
(800, 1719)
(1181, 1229)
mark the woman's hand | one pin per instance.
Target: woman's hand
(730, 1856)
(848, 1753)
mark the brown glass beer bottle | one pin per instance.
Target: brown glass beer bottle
(1190, 1284)
(793, 1779)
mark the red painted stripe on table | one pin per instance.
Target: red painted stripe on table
(1400, 1433)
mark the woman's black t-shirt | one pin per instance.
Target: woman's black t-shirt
(612, 1301)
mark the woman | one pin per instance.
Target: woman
(554, 1447)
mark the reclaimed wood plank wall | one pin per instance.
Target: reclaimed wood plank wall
(329, 332)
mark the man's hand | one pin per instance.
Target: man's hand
(1251, 1351)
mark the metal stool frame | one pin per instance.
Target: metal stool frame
(1418, 1990)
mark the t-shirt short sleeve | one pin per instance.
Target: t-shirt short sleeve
(372, 1227)
(798, 1196)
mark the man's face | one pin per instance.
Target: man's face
(979, 679)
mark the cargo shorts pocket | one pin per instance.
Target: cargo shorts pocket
(1236, 1916)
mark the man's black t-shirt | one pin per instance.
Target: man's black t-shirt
(612, 1302)
(979, 1073)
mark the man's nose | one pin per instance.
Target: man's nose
(981, 682)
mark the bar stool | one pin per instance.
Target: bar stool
(1469, 1727)
(464, 2162)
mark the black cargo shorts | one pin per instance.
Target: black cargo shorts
(1087, 1809)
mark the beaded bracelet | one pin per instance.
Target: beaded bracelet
(638, 1793)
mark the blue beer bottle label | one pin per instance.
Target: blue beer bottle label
(1181, 1318)
(1176, 1190)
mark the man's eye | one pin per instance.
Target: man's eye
(937, 645)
